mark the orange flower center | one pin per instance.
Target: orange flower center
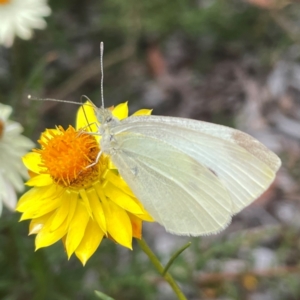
(68, 156)
(4, 1)
(1, 128)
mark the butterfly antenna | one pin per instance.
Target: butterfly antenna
(102, 73)
(53, 100)
(88, 99)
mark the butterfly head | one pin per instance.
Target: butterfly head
(105, 117)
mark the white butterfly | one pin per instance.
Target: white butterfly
(191, 176)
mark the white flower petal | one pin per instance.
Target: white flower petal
(5, 111)
(13, 146)
(20, 17)
(1, 206)
(2, 188)
(10, 200)
(13, 128)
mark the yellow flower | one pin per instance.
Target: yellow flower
(73, 200)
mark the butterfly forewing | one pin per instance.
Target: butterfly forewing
(245, 167)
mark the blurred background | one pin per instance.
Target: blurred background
(235, 63)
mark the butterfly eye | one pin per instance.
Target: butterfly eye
(108, 119)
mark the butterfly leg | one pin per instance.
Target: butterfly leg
(87, 132)
(96, 160)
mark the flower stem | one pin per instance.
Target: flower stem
(159, 267)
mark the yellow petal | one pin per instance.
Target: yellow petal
(73, 200)
(118, 182)
(62, 212)
(92, 238)
(48, 134)
(36, 195)
(121, 111)
(97, 209)
(103, 199)
(47, 237)
(37, 224)
(76, 228)
(119, 225)
(111, 165)
(86, 201)
(40, 180)
(41, 209)
(39, 204)
(117, 221)
(146, 217)
(32, 161)
(86, 118)
(122, 199)
(26, 197)
(136, 226)
(143, 112)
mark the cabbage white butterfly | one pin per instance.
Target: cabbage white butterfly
(191, 176)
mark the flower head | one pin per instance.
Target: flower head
(74, 196)
(20, 17)
(13, 146)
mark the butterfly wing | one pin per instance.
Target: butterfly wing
(178, 192)
(244, 166)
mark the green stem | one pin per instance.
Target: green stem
(174, 256)
(159, 267)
